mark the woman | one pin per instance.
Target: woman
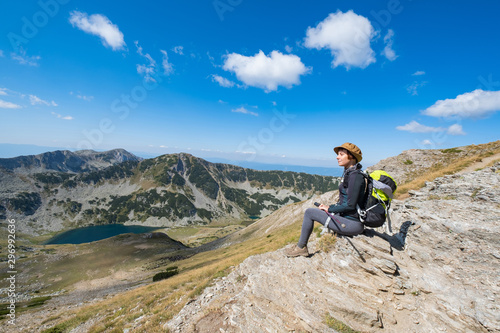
(351, 193)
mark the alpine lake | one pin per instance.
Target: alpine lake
(97, 232)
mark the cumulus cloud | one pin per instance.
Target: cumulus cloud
(266, 72)
(99, 25)
(347, 36)
(222, 81)
(8, 105)
(416, 127)
(455, 129)
(475, 104)
(34, 100)
(244, 111)
(388, 52)
(426, 142)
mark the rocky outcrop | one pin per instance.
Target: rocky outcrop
(412, 163)
(437, 273)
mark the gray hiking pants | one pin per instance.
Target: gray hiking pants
(342, 225)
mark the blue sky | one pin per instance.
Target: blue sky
(279, 82)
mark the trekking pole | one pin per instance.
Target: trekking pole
(330, 217)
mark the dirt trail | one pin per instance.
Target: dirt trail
(479, 165)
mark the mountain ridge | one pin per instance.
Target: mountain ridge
(169, 190)
(67, 161)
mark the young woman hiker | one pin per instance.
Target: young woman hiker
(351, 193)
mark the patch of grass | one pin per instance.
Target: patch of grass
(451, 151)
(327, 242)
(317, 230)
(338, 325)
(408, 162)
(23, 306)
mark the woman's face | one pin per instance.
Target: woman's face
(343, 158)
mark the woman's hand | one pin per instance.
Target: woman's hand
(323, 207)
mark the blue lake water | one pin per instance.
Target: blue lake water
(97, 232)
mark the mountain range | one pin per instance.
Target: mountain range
(61, 190)
(437, 271)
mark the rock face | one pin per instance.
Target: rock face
(437, 273)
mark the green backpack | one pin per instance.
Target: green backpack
(380, 188)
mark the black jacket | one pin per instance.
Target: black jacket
(351, 192)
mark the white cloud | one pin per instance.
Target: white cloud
(168, 68)
(8, 105)
(3, 91)
(149, 70)
(178, 49)
(85, 98)
(426, 142)
(418, 73)
(347, 36)
(388, 41)
(62, 117)
(222, 81)
(415, 127)
(267, 72)
(475, 104)
(455, 129)
(101, 26)
(24, 59)
(244, 111)
(146, 70)
(34, 100)
(413, 88)
(288, 48)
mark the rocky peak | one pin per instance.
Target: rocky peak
(438, 272)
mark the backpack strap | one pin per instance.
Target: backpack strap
(325, 229)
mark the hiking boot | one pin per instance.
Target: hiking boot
(296, 251)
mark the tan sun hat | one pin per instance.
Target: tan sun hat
(352, 148)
